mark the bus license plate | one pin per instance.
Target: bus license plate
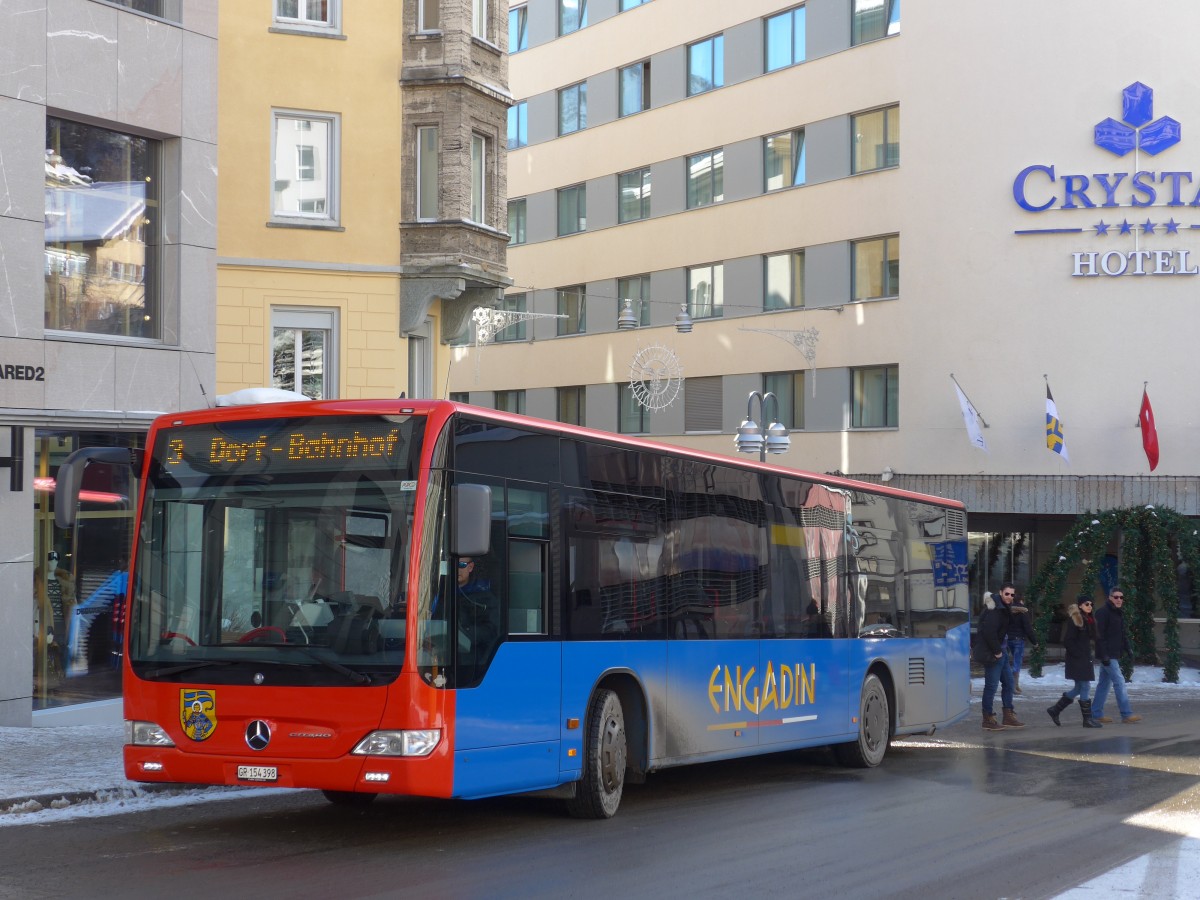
(258, 773)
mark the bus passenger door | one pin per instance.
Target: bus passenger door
(508, 676)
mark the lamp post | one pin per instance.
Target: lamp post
(749, 438)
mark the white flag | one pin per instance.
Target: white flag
(971, 418)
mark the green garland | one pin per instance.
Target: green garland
(1152, 539)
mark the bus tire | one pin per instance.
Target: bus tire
(874, 728)
(598, 793)
(349, 798)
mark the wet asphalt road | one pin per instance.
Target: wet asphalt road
(1027, 813)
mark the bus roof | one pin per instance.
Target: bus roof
(445, 408)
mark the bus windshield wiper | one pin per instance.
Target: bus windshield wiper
(354, 675)
(188, 666)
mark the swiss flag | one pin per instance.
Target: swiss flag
(1149, 432)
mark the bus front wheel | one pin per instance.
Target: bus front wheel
(874, 728)
(598, 793)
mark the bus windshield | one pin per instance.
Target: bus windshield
(276, 550)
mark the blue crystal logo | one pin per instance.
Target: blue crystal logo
(1137, 109)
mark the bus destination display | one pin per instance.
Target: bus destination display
(317, 444)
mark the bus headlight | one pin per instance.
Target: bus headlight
(146, 734)
(399, 743)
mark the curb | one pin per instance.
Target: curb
(64, 799)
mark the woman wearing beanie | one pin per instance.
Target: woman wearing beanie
(1079, 634)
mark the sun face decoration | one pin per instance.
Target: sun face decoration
(655, 377)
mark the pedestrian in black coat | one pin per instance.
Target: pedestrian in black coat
(1079, 636)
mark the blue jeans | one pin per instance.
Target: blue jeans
(1015, 646)
(1081, 690)
(1111, 675)
(997, 672)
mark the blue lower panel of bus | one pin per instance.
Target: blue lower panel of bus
(507, 729)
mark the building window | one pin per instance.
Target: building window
(706, 291)
(518, 125)
(785, 39)
(428, 175)
(783, 160)
(572, 209)
(876, 268)
(572, 15)
(873, 19)
(706, 179)
(516, 221)
(429, 16)
(420, 361)
(876, 139)
(572, 405)
(702, 404)
(876, 401)
(571, 305)
(635, 88)
(788, 388)
(306, 15)
(634, 195)
(511, 402)
(518, 29)
(478, 179)
(636, 289)
(572, 108)
(304, 183)
(303, 349)
(706, 65)
(479, 17)
(516, 331)
(102, 207)
(632, 417)
(783, 277)
(460, 396)
(630, 4)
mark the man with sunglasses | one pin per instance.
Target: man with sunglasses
(1111, 641)
(989, 652)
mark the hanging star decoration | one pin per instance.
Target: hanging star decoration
(489, 321)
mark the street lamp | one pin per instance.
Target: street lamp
(750, 438)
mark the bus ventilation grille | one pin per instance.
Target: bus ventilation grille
(955, 523)
(916, 670)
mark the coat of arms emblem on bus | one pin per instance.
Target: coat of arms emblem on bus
(198, 714)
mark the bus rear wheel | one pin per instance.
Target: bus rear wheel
(874, 728)
(598, 793)
(349, 798)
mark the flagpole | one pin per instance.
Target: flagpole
(1145, 385)
(973, 406)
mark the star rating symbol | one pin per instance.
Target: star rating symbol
(1172, 226)
(1148, 227)
(1102, 227)
(1126, 227)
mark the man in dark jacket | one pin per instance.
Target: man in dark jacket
(989, 652)
(1020, 630)
(1111, 641)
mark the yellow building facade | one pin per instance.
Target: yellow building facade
(330, 114)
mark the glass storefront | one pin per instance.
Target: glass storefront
(996, 557)
(80, 575)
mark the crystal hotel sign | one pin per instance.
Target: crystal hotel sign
(1128, 211)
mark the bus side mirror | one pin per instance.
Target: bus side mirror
(70, 477)
(471, 519)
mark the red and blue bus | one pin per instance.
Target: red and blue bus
(429, 598)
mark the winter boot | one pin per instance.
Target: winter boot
(990, 723)
(1085, 707)
(1010, 720)
(1063, 702)
(1016, 682)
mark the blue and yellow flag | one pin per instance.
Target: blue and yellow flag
(1056, 438)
